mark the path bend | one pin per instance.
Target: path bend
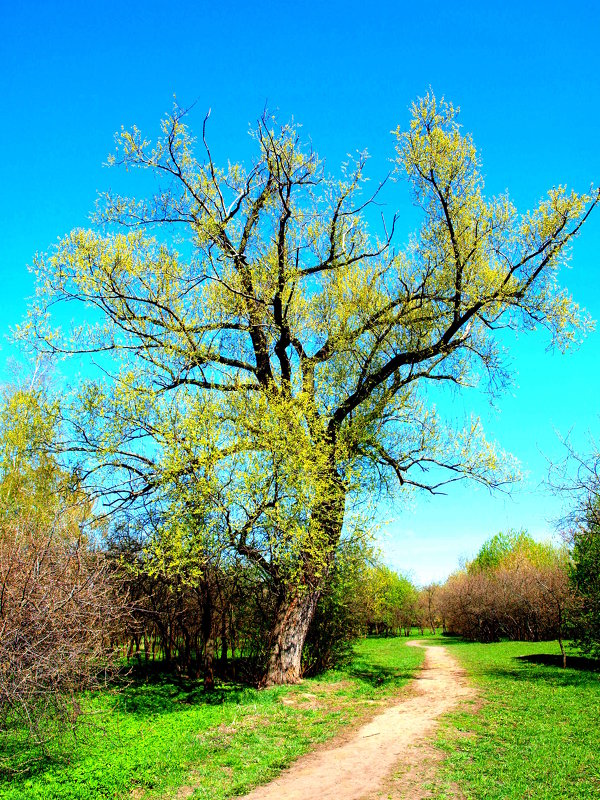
(357, 768)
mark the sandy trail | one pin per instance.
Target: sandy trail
(394, 740)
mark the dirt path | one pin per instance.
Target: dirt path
(392, 742)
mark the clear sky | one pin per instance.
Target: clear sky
(526, 76)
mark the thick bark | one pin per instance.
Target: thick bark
(294, 616)
(297, 606)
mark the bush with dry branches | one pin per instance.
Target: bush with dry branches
(58, 598)
(57, 606)
(515, 588)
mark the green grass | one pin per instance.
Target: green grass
(155, 736)
(536, 734)
(533, 735)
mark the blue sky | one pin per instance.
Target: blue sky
(526, 77)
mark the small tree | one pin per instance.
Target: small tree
(341, 615)
(389, 600)
(278, 366)
(428, 605)
(578, 478)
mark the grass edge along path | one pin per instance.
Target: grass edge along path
(534, 734)
(169, 740)
(388, 756)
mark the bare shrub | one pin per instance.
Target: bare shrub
(468, 608)
(518, 600)
(57, 609)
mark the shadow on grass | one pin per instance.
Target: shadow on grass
(377, 675)
(442, 638)
(545, 669)
(164, 695)
(579, 663)
(154, 687)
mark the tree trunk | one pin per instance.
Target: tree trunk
(560, 636)
(224, 643)
(209, 664)
(208, 641)
(294, 616)
(297, 607)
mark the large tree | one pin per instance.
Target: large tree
(266, 357)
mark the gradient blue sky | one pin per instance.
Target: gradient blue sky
(526, 76)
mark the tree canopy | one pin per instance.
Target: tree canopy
(266, 356)
(508, 549)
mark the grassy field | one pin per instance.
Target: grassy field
(156, 736)
(537, 732)
(534, 733)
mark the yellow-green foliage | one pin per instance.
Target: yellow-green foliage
(390, 599)
(509, 550)
(35, 490)
(275, 367)
(30, 479)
